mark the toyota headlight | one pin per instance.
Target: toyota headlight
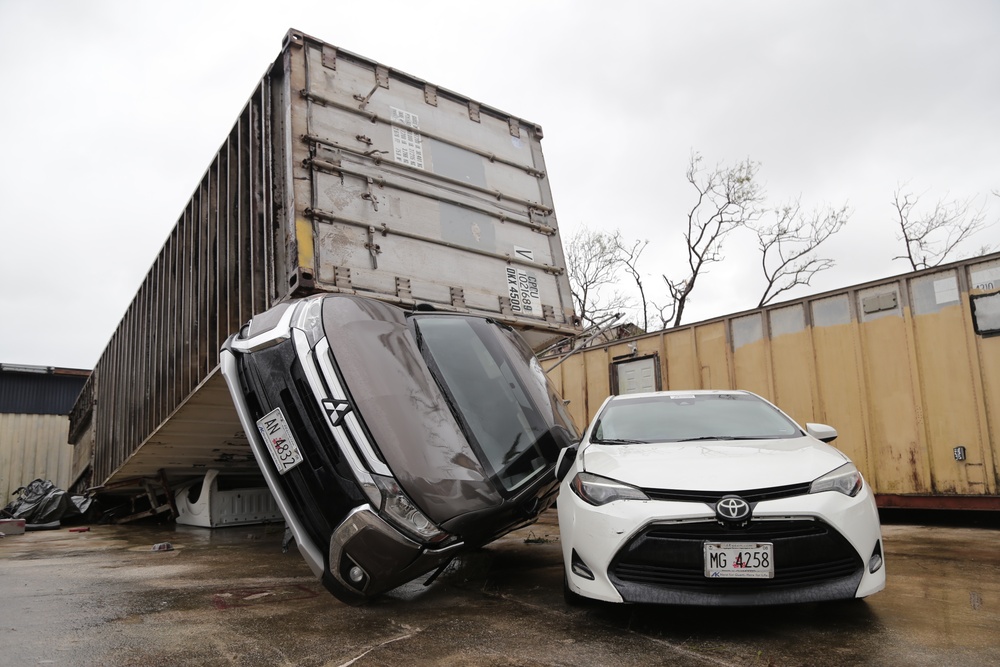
(597, 490)
(846, 479)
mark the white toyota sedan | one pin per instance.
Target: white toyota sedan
(713, 498)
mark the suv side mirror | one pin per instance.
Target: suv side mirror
(567, 457)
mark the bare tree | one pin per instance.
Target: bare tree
(629, 257)
(593, 260)
(932, 237)
(665, 313)
(788, 246)
(727, 198)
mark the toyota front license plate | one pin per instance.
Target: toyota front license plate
(279, 441)
(739, 560)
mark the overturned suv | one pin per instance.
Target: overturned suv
(393, 440)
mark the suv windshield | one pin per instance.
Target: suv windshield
(692, 417)
(499, 394)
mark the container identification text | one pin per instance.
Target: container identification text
(522, 288)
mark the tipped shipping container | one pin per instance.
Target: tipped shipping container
(340, 175)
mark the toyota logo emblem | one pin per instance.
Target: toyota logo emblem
(732, 509)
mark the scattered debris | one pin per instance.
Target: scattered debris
(162, 546)
(12, 527)
(42, 502)
(50, 525)
(257, 596)
(80, 529)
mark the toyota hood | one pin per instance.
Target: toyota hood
(728, 466)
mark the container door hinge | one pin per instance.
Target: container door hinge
(458, 297)
(548, 313)
(515, 127)
(342, 277)
(505, 305)
(474, 111)
(403, 289)
(330, 57)
(430, 95)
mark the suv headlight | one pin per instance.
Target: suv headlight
(309, 318)
(597, 490)
(401, 511)
(846, 479)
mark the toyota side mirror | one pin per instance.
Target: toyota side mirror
(822, 432)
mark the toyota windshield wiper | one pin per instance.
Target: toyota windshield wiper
(726, 437)
(616, 441)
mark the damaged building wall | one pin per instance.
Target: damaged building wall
(34, 425)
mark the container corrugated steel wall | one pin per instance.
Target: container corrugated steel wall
(217, 268)
(896, 366)
(340, 175)
(31, 447)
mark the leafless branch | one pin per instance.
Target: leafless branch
(629, 257)
(593, 258)
(788, 246)
(665, 314)
(727, 198)
(931, 238)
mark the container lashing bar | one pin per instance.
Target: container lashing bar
(533, 208)
(373, 248)
(385, 230)
(373, 117)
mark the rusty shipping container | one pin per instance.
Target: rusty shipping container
(340, 175)
(907, 369)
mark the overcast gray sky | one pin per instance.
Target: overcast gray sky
(112, 110)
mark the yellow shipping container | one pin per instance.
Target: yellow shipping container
(907, 369)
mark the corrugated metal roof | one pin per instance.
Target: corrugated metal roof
(39, 390)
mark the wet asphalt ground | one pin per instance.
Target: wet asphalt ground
(230, 597)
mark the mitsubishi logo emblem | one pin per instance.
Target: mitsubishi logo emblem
(732, 510)
(337, 410)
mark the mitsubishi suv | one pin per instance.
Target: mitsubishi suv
(392, 439)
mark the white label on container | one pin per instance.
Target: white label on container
(522, 288)
(407, 146)
(524, 253)
(986, 279)
(946, 290)
(401, 117)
